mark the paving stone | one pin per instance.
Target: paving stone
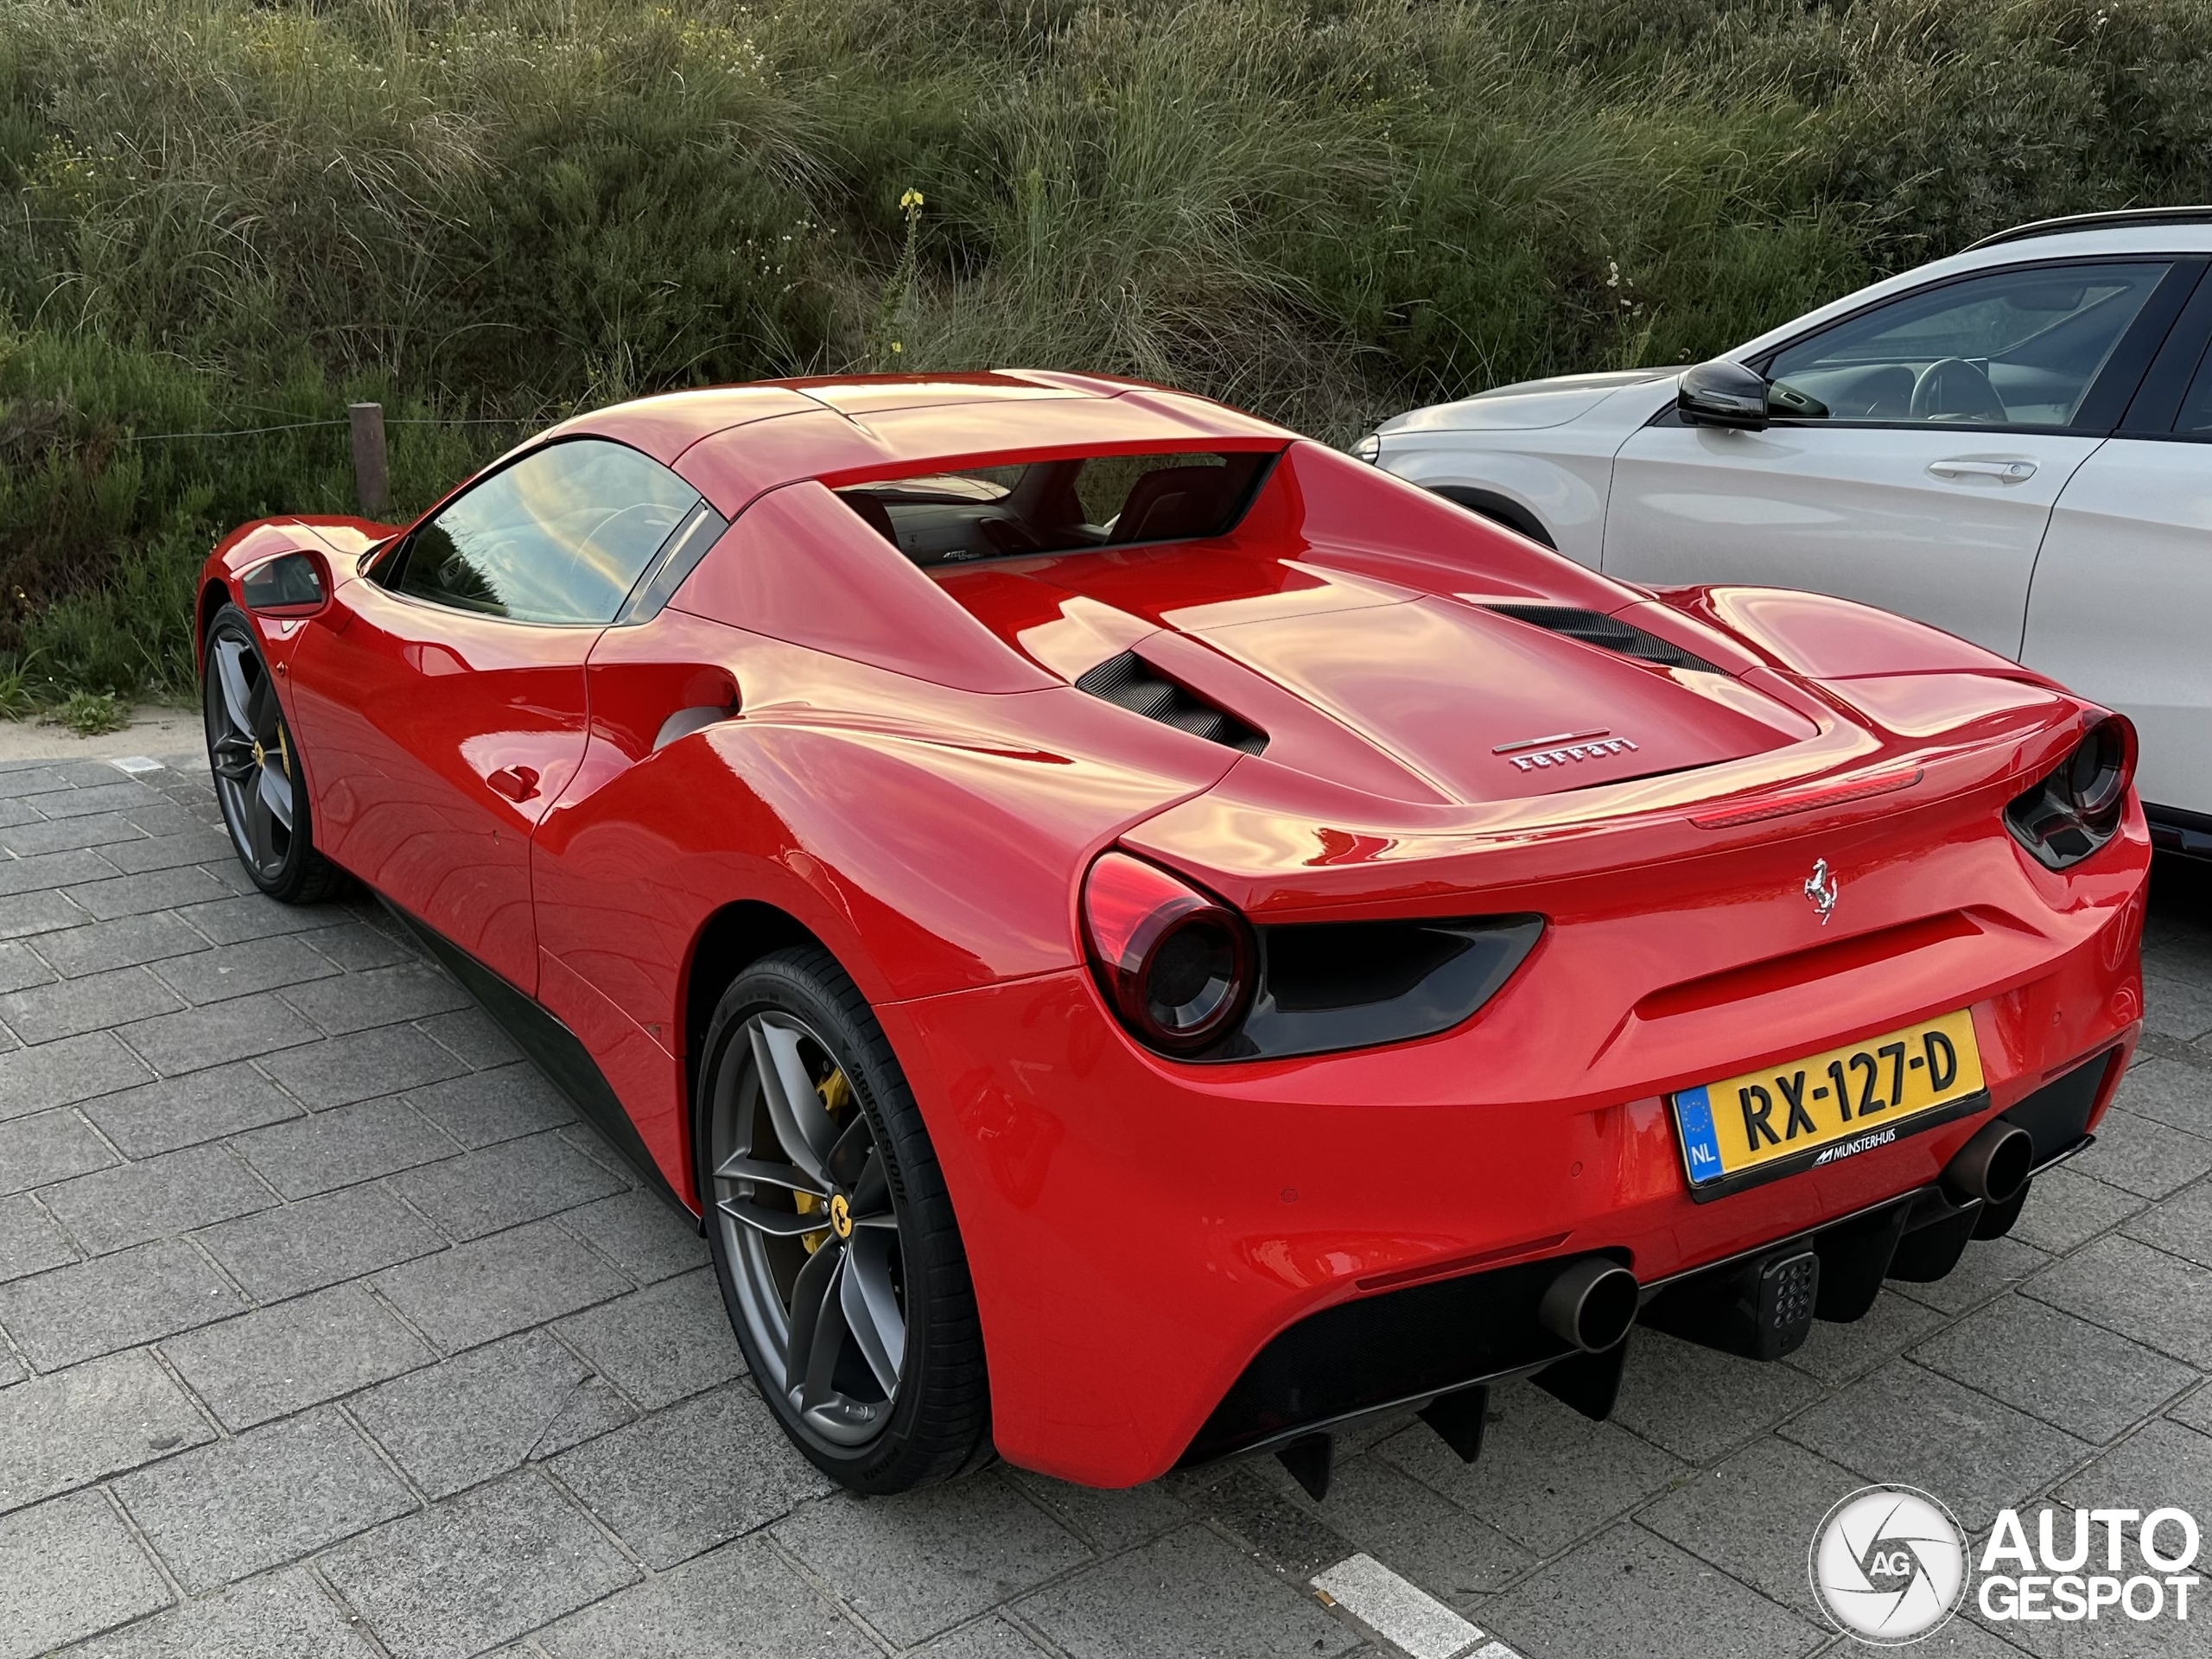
(1698, 1402)
(2140, 1293)
(137, 895)
(319, 1241)
(641, 1233)
(1836, 1353)
(26, 915)
(200, 1106)
(130, 942)
(1546, 1475)
(30, 1242)
(1629, 1593)
(680, 1482)
(1387, 1515)
(662, 1344)
(497, 1105)
(254, 916)
(2181, 1226)
(20, 968)
(174, 1193)
(71, 1007)
(298, 1353)
(480, 1413)
(1109, 1522)
(382, 997)
(1989, 1266)
(2166, 1465)
(88, 1422)
(59, 1074)
(476, 1570)
(113, 1301)
(357, 947)
(2195, 1411)
(68, 1569)
(504, 1185)
(919, 1563)
(226, 1510)
(2136, 1155)
(343, 1146)
(493, 1286)
(173, 842)
(37, 780)
(236, 1030)
(2172, 1007)
(741, 1602)
(358, 1067)
(1754, 1515)
(1240, 1497)
(473, 1036)
(2168, 1092)
(2065, 1210)
(2088, 1381)
(99, 798)
(1187, 1594)
(27, 838)
(987, 1638)
(285, 1614)
(1977, 1454)
(49, 1147)
(241, 969)
(50, 871)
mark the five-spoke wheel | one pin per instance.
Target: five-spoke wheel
(832, 1234)
(257, 774)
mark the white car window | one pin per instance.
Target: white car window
(2018, 348)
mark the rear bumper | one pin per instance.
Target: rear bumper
(1141, 1233)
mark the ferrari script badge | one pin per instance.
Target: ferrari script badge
(1820, 887)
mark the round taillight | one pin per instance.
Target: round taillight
(1176, 964)
(2095, 774)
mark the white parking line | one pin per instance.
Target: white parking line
(1403, 1614)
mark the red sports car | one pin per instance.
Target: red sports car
(1148, 940)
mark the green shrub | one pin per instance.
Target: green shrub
(234, 217)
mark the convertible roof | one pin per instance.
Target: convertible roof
(732, 442)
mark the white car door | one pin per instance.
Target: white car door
(1916, 448)
(2121, 607)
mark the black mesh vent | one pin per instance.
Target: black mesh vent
(1608, 632)
(1131, 682)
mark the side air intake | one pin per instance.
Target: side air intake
(1607, 633)
(1130, 681)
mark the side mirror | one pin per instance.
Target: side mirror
(291, 584)
(1722, 393)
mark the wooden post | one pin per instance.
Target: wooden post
(371, 478)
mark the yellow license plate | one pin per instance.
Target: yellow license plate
(1829, 1106)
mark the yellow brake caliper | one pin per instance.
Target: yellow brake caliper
(835, 1092)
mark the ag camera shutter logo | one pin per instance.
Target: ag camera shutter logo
(1889, 1565)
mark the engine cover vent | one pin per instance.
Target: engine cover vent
(1607, 633)
(1130, 681)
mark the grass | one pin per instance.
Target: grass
(233, 215)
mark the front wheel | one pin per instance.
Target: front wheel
(256, 761)
(833, 1235)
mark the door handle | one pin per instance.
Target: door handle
(2004, 472)
(516, 783)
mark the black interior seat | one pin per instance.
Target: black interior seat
(877, 515)
(1174, 503)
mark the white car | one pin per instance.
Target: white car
(2014, 443)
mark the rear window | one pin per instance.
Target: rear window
(1059, 506)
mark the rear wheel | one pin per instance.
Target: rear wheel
(832, 1233)
(257, 766)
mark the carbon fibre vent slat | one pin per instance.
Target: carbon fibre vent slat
(1129, 682)
(1607, 633)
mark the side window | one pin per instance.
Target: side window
(2014, 347)
(561, 536)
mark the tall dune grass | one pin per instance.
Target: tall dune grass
(229, 215)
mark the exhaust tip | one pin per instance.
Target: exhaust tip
(1592, 1304)
(1993, 1167)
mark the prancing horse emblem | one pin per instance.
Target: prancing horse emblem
(1821, 888)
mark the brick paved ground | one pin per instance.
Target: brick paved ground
(326, 1329)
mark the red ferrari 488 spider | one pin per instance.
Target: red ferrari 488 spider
(1148, 940)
